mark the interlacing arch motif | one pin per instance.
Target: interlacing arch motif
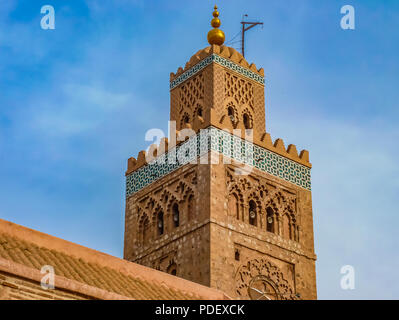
(150, 204)
(240, 90)
(262, 190)
(182, 189)
(165, 196)
(270, 202)
(191, 92)
(275, 209)
(263, 268)
(188, 191)
(245, 184)
(177, 199)
(279, 198)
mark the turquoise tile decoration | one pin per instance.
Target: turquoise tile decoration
(224, 143)
(220, 61)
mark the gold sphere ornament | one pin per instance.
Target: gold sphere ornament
(216, 36)
(216, 12)
(215, 22)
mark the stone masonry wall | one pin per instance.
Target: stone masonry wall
(185, 248)
(235, 243)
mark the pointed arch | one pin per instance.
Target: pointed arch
(286, 227)
(247, 119)
(279, 199)
(233, 205)
(191, 210)
(145, 235)
(150, 204)
(165, 196)
(199, 110)
(252, 213)
(172, 268)
(254, 208)
(231, 112)
(263, 191)
(187, 191)
(160, 222)
(271, 220)
(175, 215)
(185, 119)
(237, 203)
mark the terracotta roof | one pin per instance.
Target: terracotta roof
(24, 251)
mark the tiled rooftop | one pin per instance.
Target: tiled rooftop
(33, 249)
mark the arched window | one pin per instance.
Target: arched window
(270, 220)
(199, 112)
(146, 231)
(190, 207)
(237, 255)
(252, 213)
(247, 121)
(294, 232)
(230, 113)
(233, 206)
(160, 223)
(175, 215)
(286, 227)
(172, 269)
(185, 119)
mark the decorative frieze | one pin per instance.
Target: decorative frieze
(230, 146)
(220, 61)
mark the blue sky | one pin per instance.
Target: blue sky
(75, 103)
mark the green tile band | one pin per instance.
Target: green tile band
(221, 61)
(224, 143)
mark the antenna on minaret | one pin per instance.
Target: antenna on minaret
(244, 29)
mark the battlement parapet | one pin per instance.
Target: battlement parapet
(273, 158)
(225, 56)
(265, 142)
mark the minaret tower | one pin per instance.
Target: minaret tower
(219, 203)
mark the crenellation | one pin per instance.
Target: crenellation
(223, 51)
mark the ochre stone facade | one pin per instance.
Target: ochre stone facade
(185, 248)
(238, 229)
(276, 242)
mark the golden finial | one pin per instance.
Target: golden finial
(216, 36)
